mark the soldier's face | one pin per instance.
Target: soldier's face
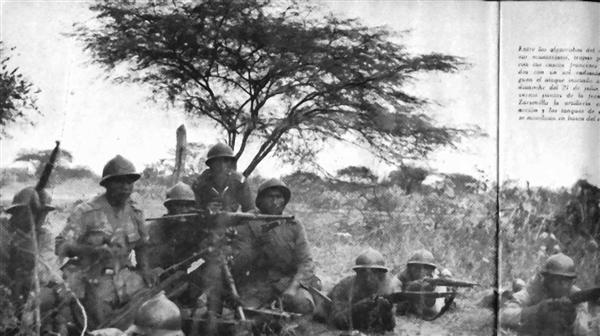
(118, 189)
(557, 285)
(21, 218)
(417, 272)
(176, 208)
(370, 279)
(272, 202)
(221, 165)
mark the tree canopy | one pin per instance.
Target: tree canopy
(17, 95)
(282, 74)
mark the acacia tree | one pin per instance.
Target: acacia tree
(279, 73)
(16, 94)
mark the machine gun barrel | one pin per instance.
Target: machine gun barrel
(449, 282)
(234, 215)
(45, 177)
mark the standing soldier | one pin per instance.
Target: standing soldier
(99, 238)
(356, 300)
(274, 256)
(30, 208)
(220, 187)
(543, 307)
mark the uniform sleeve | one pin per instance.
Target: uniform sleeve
(512, 314)
(583, 320)
(199, 192)
(306, 267)
(72, 231)
(245, 252)
(339, 314)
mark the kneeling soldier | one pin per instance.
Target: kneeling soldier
(543, 307)
(357, 302)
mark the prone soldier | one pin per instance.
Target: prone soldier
(544, 307)
(420, 270)
(358, 302)
(273, 256)
(109, 226)
(220, 187)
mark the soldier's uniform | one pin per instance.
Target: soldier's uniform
(233, 194)
(524, 314)
(356, 307)
(271, 256)
(105, 282)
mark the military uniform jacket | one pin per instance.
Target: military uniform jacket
(275, 251)
(172, 241)
(124, 229)
(235, 194)
(511, 313)
(345, 293)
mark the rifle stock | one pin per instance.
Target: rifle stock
(586, 295)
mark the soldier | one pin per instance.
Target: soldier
(158, 316)
(173, 240)
(274, 256)
(420, 265)
(220, 187)
(99, 237)
(543, 308)
(30, 208)
(356, 301)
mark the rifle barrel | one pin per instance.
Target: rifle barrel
(591, 294)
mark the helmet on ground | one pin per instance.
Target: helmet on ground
(118, 166)
(180, 192)
(273, 184)
(559, 264)
(30, 197)
(158, 316)
(220, 150)
(371, 259)
(422, 257)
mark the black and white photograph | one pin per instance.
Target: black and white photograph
(286, 167)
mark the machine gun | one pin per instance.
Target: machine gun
(413, 295)
(448, 282)
(227, 214)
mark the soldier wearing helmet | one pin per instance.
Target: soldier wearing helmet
(220, 187)
(158, 316)
(420, 265)
(173, 240)
(543, 307)
(274, 257)
(28, 211)
(356, 301)
(99, 237)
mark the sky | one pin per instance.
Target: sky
(96, 119)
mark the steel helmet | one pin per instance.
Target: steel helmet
(180, 192)
(422, 257)
(158, 316)
(118, 166)
(371, 259)
(559, 264)
(30, 197)
(273, 183)
(220, 150)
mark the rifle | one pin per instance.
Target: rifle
(449, 282)
(45, 177)
(586, 295)
(403, 296)
(169, 282)
(232, 215)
